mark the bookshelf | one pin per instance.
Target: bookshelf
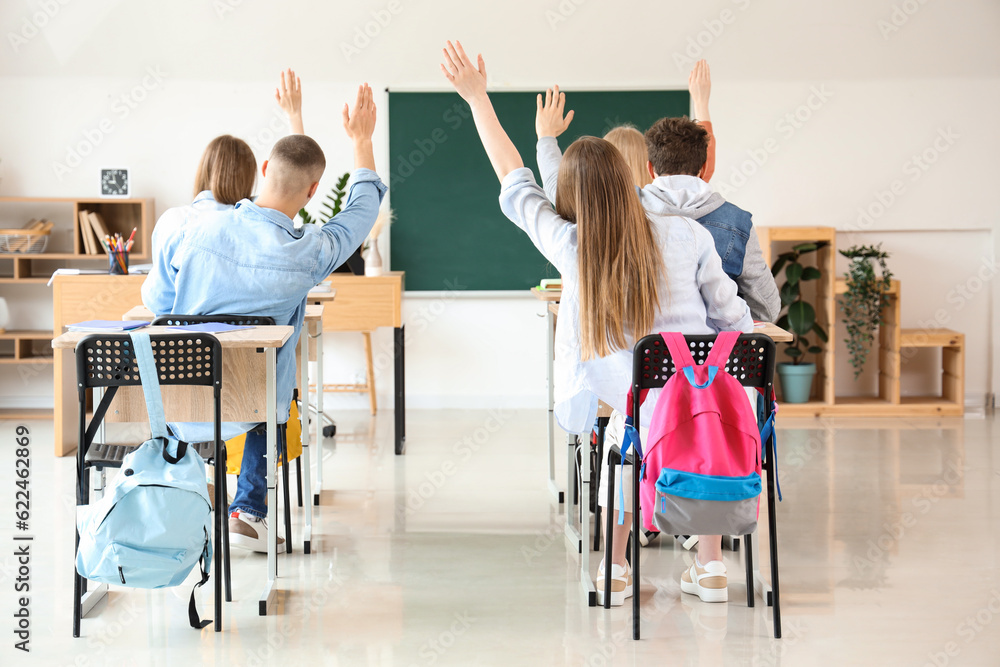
(27, 350)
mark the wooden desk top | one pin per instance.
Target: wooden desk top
(314, 313)
(547, 295)
(268, 336)
(321, 297)
(772, 331)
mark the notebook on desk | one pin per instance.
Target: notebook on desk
(106, 325)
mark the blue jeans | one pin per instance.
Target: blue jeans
(251, 485)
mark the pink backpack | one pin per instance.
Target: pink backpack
(700, 473)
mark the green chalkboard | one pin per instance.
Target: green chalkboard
(449, 232)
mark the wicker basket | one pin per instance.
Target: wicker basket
(23, 240)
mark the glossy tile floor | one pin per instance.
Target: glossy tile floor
(454, 555)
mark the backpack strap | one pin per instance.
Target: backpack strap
(193, 618)
(725, 341)
(677, 345)
(143, 350)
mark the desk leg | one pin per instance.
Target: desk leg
(572, 531)
(267, 597)
(319, 414)
(589, 592)
(399, 347)
(304, 424)
(550, 323)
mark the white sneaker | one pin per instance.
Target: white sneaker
(249, 532)
(621, 584)
(709, 583)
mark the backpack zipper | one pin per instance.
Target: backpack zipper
(121, 575)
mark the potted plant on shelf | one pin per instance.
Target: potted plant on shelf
(799, 318)
(863, 301)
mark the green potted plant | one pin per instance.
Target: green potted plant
(799, 317)
(863, 301)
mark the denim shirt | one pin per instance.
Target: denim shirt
(730, 227)
(249, 260)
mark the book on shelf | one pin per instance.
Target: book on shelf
(97, 223)
(85, 233)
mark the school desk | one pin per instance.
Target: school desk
(365, 303)
(248, 389)
(313, 328)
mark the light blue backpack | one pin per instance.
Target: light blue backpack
(154, 523)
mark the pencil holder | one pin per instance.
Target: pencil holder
(118, 263)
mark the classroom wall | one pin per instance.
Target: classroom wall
(876, 117)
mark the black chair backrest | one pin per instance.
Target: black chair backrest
(751, 361)
(239, 320)
(108, 360)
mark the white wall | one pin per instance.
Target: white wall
(880, 93)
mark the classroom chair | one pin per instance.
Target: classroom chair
(752, 363)
(107, 361)
(249, 321)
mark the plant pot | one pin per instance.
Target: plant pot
(796, 381)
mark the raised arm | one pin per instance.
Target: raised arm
(470, 82)
(700, 87)
(346, 230)
(549, 124)
(289, 96)
(359, 125)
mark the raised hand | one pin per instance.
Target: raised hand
(469, 80)
(700, 86)
(359, 123)
(289, 97)
(549, 118)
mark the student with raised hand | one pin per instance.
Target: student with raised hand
(676, 152)
(623, 276)
(252, 260)
(700, 87)
(226, 174)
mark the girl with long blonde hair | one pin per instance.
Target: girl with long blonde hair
(623, 277)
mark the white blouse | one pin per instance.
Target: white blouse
(696, 297)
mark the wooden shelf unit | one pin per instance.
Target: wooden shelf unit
(892, 340)
(65, 249)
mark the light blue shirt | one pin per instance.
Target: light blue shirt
(248, 260)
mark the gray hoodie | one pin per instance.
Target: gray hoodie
(693, 198)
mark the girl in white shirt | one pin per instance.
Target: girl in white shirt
(623, 277)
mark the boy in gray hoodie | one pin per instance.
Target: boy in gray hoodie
(677, 149)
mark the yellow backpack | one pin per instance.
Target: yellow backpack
(234, 447)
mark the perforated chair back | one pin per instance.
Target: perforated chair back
(108, 361)
(239, 320)
(751, 361)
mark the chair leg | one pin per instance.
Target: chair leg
(634, 539)
(609, 533)
(772, 530)
(371, 371)
(283, 444)
(220, 513)
(225, 528)
(602, 425)
(298, 478)
(747, 546)
(77, 594)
